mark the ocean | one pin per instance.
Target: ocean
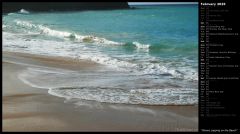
(149, 54)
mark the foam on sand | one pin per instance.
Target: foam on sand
(167, 96)
(81, 51)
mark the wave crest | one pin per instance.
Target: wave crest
(141, 46)
(23, 11)
(66, 35)
(141, 68)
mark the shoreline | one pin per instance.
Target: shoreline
(26, 108)
(49, 61)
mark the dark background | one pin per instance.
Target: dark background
(230, 99)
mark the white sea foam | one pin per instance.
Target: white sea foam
(142, 68)
(64, 83)
(141, 46)
(72, 50)
(25, 24)
(11, 13)
(23, 11)
(69, 49)
(67, 85)
(66, 35)
(167, 96)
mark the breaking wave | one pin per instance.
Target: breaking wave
(141, 46)
(23, 11)
(71, 36)
(69, 50)
(66, 35)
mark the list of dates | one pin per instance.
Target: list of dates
(218, 61)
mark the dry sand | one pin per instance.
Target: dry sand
(26, 108)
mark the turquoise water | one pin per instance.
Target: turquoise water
(160, 41)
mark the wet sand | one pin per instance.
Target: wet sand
(26, 108)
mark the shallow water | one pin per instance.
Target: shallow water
(150, 53)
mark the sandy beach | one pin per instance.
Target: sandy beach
(27, 108)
